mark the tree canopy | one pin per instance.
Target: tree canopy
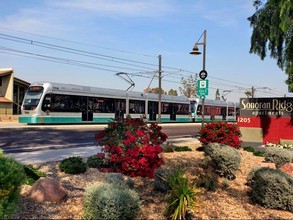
(189, 86)
(272, 25)
(156, 91)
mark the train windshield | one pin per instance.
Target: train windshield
(33, 96)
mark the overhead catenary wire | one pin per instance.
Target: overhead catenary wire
(146, 67)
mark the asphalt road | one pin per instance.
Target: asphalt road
(33, 138)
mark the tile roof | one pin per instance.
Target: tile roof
(2, 99)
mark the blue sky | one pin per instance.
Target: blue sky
(103, 37)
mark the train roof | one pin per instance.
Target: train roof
(215, 102)
(106, 92)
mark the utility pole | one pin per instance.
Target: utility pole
(160, 89)
(252, 92)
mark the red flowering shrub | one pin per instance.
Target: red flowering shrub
(132, 147)
(221, 132)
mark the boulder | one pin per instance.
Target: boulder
(46, 189)
(287, 168)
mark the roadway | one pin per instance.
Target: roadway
(17, 138)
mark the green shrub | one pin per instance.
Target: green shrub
(119, 179)
(224, 159)
(11, 177)
(208, 180)
(249, 149)
(96, 160)
(32, 174)
(183, 148)
(181, 195)
(161, 179)
(259, 154)
(168, 148)
(109, 201)
(73, 165)
(271, 188)
(278, 156)
(255, 152)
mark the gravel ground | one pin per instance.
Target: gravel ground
(226, 203)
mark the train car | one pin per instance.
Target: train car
(214, 110)
(56, 103)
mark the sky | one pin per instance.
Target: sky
(87, 42)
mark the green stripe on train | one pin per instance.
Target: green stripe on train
(60, 120)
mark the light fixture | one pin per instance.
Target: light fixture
(195, 50)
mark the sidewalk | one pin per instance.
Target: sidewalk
(43, 156)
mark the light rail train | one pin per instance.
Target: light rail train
(214, 110)
(56, 103)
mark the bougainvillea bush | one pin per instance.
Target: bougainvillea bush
(131, 147)
(221, 132)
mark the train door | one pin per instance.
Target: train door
(120, 107)
(173, 110)
(87, 108)
(153, 109)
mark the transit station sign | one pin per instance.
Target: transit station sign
(202, 87)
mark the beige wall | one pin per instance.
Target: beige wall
(5, 108)
(7, 85)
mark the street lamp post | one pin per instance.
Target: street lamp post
(195, 51)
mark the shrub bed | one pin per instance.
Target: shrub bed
(271, 188)
(223, 159)
(12, 176)
(111, 201)
(278, 156)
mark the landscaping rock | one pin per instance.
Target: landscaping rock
(46, 189)
(287, 168)
(270, 165)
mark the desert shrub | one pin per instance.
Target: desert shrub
(225, 183)
(32, 174)
(119, 179)
(278, 156)
(208, 180)
(181, 195)
(96, 160)
(182, 148)
(221, 132)
(223, 159)
(132, 146)
(161, 178)
(72, 165)
(271, 188)
(11, 177)
(110, 201)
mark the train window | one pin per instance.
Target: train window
(46, 106)
(65, 103)
(199, 108)
(165, 108)
(136, 106)
(231, 111)
(182, 109)
(104, 105)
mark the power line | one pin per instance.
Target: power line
(178, 73)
